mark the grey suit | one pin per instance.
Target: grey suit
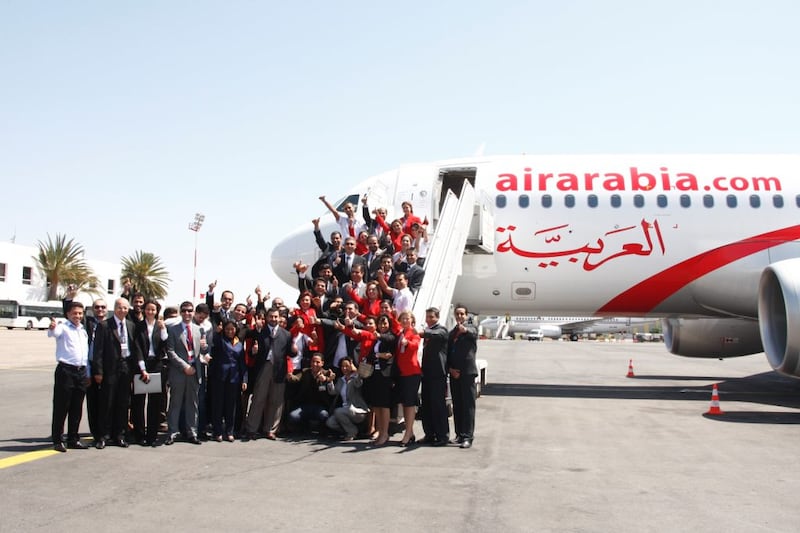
(345, 417)
(183, 388)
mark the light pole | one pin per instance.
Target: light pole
(195, 227)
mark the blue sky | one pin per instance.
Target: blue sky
(120, 120)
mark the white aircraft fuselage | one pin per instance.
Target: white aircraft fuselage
(674, 236)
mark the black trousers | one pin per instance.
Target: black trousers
(146, 427)
(115, 396)
(69, 388)
(93, 409)
(434, 408)
(463, 391)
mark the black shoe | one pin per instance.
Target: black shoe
(122, 443)
(169, 441)
(411, 441)
(458, 440)
(427, 440)
(76, 445)
(146, 442)
(194, 440)
(100, 444)
(466, 443)
(439, 442)
(59, 447)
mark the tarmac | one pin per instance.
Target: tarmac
(564, 442)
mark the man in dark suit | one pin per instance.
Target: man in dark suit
(434, 381)
(272, 346)
(186, 347)
(344, 261)
(372, 257)
(414, 272)
(461, 347)
(114, 361)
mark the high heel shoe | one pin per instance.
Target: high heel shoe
(412, 440)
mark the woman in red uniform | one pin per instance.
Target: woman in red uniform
(409, 373)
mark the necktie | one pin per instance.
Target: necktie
(351, 228)
(122, 332)
(349, 260)
(189, 341)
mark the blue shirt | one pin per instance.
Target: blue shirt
(72, 343)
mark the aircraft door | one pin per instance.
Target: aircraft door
(380, 192)
(415, 184)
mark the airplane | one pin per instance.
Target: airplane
(554, 327)
(708, 243)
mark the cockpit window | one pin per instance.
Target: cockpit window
(353, 199)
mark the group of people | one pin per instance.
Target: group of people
(339, 362)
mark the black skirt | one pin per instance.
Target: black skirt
(379, 390)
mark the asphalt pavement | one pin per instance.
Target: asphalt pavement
(564, 442)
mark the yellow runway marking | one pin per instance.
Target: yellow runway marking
(26, 458)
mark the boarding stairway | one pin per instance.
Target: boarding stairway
(443, 263)
(445, 251)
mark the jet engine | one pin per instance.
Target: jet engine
(779, 315)
(711, 337)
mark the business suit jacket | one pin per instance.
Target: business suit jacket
(342, 272)
(415, 274)
(461, 349)
(143, 341)
(177, 348)
(227, 362)
(107, 357)
(281, 346)
(434, 352)
(354, 394)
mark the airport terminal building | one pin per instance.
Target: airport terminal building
(21, 280)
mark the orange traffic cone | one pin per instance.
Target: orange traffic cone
(714, 409)
(630, 369)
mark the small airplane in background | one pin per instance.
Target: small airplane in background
(708, 243)
(555, 327)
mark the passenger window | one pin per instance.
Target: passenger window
(755, 200)
(592, 200)
(731, 200)
(638, 200)
(797, 200)
(708, 200)
(777, 200)
(616, 200)
(569, 200)
(524, 200)
(686, 200)
(500, 201)
(547, 201)
(661, 200)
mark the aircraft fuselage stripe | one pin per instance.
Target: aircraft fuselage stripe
(647, 294)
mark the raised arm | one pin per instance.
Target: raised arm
(332, 209)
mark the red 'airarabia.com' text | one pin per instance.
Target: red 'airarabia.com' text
(632, 180)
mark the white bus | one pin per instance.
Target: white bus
(29, 315)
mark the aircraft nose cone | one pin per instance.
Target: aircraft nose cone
(297, 246)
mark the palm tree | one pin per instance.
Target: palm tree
(61, 262)
(147, 275)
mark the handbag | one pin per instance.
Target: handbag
(365, 369)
